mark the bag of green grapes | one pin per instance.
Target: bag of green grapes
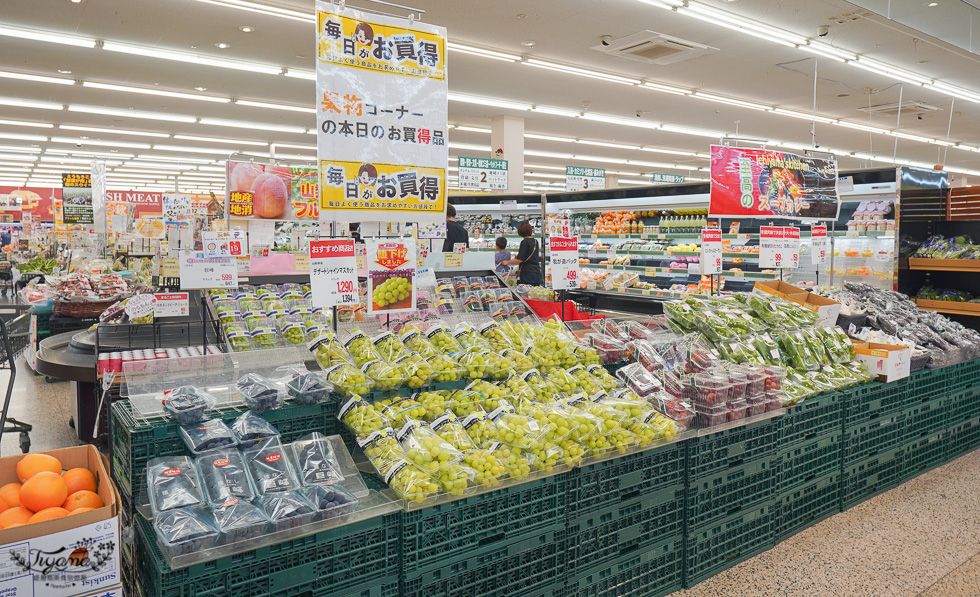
(525, 433)
(493, 394)
(470, 339)
(361, 417)
(328, 351)
(561, 429)
(415, 340)
(520, 361)
(445, 368)
(612, 433)
(400, 409)
(643, 421)
(434, 401)
(347, 380)
(382, 449)
(292, 329)
(487, 469)
(386, 376)
(465, 402)
(565, 381)
(450, 429)
(543, 389)
(518, 466)
(479, 428)
(442, 339)
(390, 347)
(495, 336)
(409, 482)
(434, 456)
(360, 348)
(418, 370)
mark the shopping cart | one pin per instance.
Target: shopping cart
(6, 278)
(14, 336)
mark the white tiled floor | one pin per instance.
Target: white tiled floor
(44, 405)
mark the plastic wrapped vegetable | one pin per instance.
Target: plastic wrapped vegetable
(526, 434)
(565, 381)
(798, 350)
(586, 383)
(262, 331)
(269, 467)
(185, 530)
(479, 428)
(315, 460)
(259, 393)
(292, 329)
(605, 379)
(495, 336)
(288, 510)
(238, 335)
(224, 476)
(360, 348)
(207, 435)
(518, 466)
(349, 380)
(487, 468)
(542, 387)
(239, 520)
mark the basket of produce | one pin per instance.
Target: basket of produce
(82, 309)
(83, 296)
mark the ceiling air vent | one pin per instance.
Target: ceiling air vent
(654, 48)
(910, 108)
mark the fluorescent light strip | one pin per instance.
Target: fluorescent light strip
(160, 92)
(638, 123)
(666, 88)
(252, 125)
(292, 146)
(199, 59)
(955, 91)
(469, 146)
(185, 149)
(18, 157)
(118, 156)
(582, 72)
(548, 138)
(282, 156)
(492, 54)
(472, 129)
(883, 72)
(93, 129)
(67, 160)
(694, 11)
(862, 127)
(19, 103)
(683, 130)
(899, 73)
(178, 159)
(305, 75)
(735, 102)
(217, 140)
(154, 165)
(132, 114)
(483, 101)
(36, 78)
(18, 137)
(38, 125)
(803, 115)
(264, 9)
(100, 143)
(55, 38)
(271, 106)
(557, 111)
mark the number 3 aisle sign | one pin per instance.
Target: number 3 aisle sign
(333, 273)
(564, 262)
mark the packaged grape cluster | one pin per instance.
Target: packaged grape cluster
(267, 316)
(226, 495)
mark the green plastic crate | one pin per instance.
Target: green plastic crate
(875, 436)
(534, 567)
(348, 557)
(651, 572)
(136, 442)
(630, 527)
(807, 461)
(731, 491)
(605, 484)
(928, 417)
(963, 438)
(925, 453)
(965, 375)
(965, 405)
(812, 417)
(711, 454)
(439, 535)
(806, 505)
(868, 478)
(722, 545)
(869, 400)
(928, 383)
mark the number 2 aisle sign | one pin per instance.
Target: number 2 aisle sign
(564, 262)
(333, 273)
(482, 173)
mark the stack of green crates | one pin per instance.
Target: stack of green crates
(874, 435)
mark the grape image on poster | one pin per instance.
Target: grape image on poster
(391, 275)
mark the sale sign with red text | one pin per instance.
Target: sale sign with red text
(564, 262)
(759, 183)
(333, 273)
(819, 248)
(391, 275)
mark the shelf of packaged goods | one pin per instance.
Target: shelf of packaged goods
(944, 265)
(696, 236)
(656, 293)
(949, 307)
(601, 253)
(657, 271)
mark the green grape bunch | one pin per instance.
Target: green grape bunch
(360, 348)
(402, 408)
(389, 346)
(488, 470)
(442, 340)
(480, 428)
(348, 380)
(361, 417)
(386, 376)
(445, 369)
(418, 370)
(449, 428)
(393, 290)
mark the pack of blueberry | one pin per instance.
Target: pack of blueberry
(250, 429)
(205, 436)
(330, 501)
(288, 509)
(315, 461)
(239, 520)
(270, 469)
(188, 404)
(259, 393)
(172, 483)
(224, 476)
(183, 531)
(308, 388)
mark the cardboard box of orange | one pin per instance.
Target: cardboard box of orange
(889, 362)
(65, 557)
(825, 308)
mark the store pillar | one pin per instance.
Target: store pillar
(507, 134)
(612, 181)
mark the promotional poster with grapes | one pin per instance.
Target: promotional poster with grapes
(758, 183)
(391, 275)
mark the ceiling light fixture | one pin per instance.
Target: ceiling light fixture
(36, 78)
(292, 146)
(548, 138)
(20, 148)
(132, 113)
(253, 125)
(219, 140)
(190, 58)
(147, 91)
(184, 148)
(666, 88)
(732, 21)
(862, 127)
(557, 111)
(102, 154)
(484, 101)
(492, 54)
(306, 75)
(222, 45)
(887, 70)
(19, 137)
(582, 72)
(55, 38)
(469, 146)
(734, 102)
(637, 123)
(19, 103)
(264, 9)
(272, 106)
(803, 115)
(955, 91)
(472, 129)
(246, 29)
(100, 143)
(38, 125)
(92, 129)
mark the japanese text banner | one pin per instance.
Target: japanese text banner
(758, 183)
(382, 109)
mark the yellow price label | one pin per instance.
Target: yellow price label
(301, 262)
(609, 266)
(646, 291)
(453, 260)
(169, 267)
(650, 271)
(853, 234)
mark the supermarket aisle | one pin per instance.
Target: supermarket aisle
(44, 405)
(919, 539)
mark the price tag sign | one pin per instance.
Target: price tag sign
(333, 273)
(710, 251)
(459, 248)
(199, 272)
(244, 264)
(564, 262)
(610, 254)
(771, 247)
(853, 234)
(171, 304)
(140, 305)
(169, 267)
(791, 246)
(301, 262)
(819, 245)
(452, 260)
(650, 272)
(593, 253)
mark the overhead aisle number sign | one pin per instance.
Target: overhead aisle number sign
(564, 262)
(382, 103)
(333, 273)
(819, 245)
(711, 250)
(482, 173)
(579, 178)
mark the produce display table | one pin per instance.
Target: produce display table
(648, 522)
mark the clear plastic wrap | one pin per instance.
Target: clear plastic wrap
(250, 429)
(361, 417)
(259, 393)
(360, 348)
(207, 435)
(224, 476)
(185, 530)
(270, 468)
(348, 380)
(315, 461)
(188, 404)
(330, 501)
(172, 483)
(307, 387)
(288, 509)
(238, 520)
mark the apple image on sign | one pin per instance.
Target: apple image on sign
(269, 196)
(243, 175)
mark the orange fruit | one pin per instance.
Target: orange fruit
(48, 514)
(15, 516)
(33, 464)
(78, 479)
(3, 505)
(79, 510)
(11, 494)
(83, 499)
(43, 490)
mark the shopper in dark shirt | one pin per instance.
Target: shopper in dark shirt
(528, 257)
(455, 233)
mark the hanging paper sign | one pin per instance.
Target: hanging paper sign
(225, 243)
(99, 222)
(140, 305)
(710, 251)
(771, 247)
(791, 246)
(77, 199)
(578, 178)
(333, 273)
(819, 245)
(382, 109)
(564, 262)
(482, 173)
(758, 183)
(391, 275)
